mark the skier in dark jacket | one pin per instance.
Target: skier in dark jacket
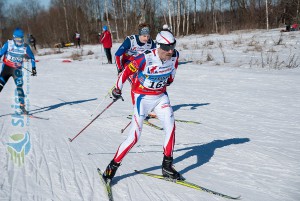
(32, 41)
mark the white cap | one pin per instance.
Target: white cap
(165, 37)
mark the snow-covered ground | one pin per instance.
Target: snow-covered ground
(247, 143)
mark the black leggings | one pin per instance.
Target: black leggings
(108, 55)
(17, 74)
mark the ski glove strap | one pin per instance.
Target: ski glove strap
(116, 94)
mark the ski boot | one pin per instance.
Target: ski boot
(168, 169)
(110, 171)
(23, 110)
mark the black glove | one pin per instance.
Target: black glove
(116, 94)
(33, 73)
(168, 83)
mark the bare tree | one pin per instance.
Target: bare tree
(267, 15)
(298, 6)
(214, 16)
(188, 17)
(195, 15)
(115, 15)
(184, 16)
(127, 14)
(64, 17)
(178, 17)
(66, 20)
(124, 14)
(106, 12)
(170, 17)
(2, 20)
(164, 13)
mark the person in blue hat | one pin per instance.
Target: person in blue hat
(15, 51)
(106, 40)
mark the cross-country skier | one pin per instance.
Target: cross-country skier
(15, 51)
(134, 45)
(152, 72)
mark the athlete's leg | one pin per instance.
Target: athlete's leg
(165, 114)
(18, 78)
(141, 108)
(5, 74)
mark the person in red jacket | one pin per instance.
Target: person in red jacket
(105, 39)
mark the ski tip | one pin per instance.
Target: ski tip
(70, 139)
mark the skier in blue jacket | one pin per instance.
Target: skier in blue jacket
(15, 52)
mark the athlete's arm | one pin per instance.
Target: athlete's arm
(31, 56)
(138, 63)
(4, 49)
(122, 49)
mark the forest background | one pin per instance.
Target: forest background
(59, 22)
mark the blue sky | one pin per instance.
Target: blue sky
(44, 3)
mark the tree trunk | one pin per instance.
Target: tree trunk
(184, 17)
(76, 16)
(178, 17)
(174, 16)
(165, 17)
(170, 17)
(194, 21)
(188, 18)
(107, 18)
(66, 20)
(267, 15)
(115, 14)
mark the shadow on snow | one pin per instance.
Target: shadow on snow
(55, 106)
(203, 152)
(192, 106)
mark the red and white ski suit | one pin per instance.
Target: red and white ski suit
(150, 79)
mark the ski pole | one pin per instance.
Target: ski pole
(92, 120)
(27, 69)
(108, 93)
(122, 130)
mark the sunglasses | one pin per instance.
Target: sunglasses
(167, 47)
(18, 40)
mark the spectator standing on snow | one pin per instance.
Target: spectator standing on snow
(14, 52)
(106, 40)
(77, 39)
(32, 41)
(152, 72)
(134, 45)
